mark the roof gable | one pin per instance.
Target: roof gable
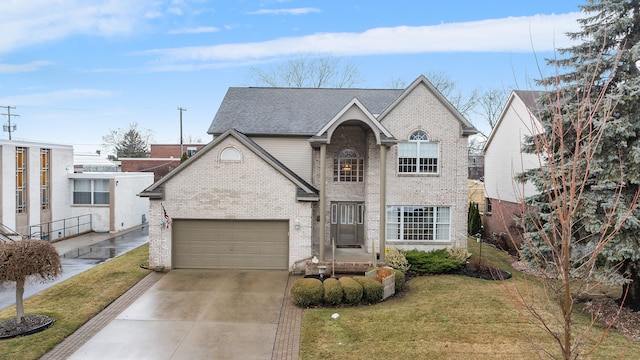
(528, 98)
(355, 106)
(306, 190)
(467, 127)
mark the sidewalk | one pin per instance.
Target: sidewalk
(76, 242)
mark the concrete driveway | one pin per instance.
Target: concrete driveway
(197, 314)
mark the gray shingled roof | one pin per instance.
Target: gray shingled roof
(291, 111)
(531, 99)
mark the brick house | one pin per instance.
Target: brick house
(503, 161)
(162, 159)
(291, 172)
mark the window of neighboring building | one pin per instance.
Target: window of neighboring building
(418, 155)
(21, 180)
(348, 167)
(418, 223)
(191, 151)
(45, 175)
(487, 205)
(91, 192)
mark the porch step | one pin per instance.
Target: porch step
(340, 267)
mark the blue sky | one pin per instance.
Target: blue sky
(75, 69)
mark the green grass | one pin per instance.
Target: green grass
(444, 317)
(73, 302)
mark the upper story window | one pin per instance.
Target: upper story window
(348, 166)
(21, 180)
(45, 178)
(418, 155)
(230, 154)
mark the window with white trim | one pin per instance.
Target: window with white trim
(418, 155)
(91, 191)
(418, 223)
(348, 166)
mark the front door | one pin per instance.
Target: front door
(347, 223)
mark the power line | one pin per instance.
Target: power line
(9, 127)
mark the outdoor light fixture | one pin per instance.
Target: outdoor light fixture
(322, 270)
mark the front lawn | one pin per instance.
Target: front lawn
(73, 302)
(441, 317)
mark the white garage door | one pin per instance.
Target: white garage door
(230, 244)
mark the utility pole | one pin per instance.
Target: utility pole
(181, 109)
(9, 128)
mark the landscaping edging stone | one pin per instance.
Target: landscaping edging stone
(33, 323)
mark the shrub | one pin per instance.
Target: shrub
(474, 221)
(458, 253)
(396, 259)
(372, 290)
(332, 292)
(352, 290)
(400, 279)
(432, 262)
(307, 292)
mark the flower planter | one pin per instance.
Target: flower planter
(388, 283)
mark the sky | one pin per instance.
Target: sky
(77, 69)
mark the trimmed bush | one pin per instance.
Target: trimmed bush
(307, 292)
(372, 290)
(400, 280)
(458, 253)
(395, 258)
(432, 262)
(332, 292)
(352, 290)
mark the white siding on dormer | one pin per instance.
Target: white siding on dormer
(503, 159)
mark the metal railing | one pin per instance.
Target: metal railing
(60, 229)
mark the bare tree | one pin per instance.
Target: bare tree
(489, 106)
(22, 259)
(308, 71)
(560, 242)
(449, 88)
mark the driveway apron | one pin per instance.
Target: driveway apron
(197, 314)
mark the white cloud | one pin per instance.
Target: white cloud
(24, 23)
(537, 33)
(196, 30)
(21, 68)
(296, 11)
(54, 97)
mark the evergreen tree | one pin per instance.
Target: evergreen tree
(599, 78)
(131, 143)
(474, 221)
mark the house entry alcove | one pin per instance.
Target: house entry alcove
(347, 223)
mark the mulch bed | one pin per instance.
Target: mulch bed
(483, 272)
(32, 324)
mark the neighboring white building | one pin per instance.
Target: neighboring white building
(43, 197)
(503, 161)
(293, 170)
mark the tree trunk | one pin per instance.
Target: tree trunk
(19, 301)
(632, 289)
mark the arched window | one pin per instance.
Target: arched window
(230, 154)
(348, 166)
(418, 155)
